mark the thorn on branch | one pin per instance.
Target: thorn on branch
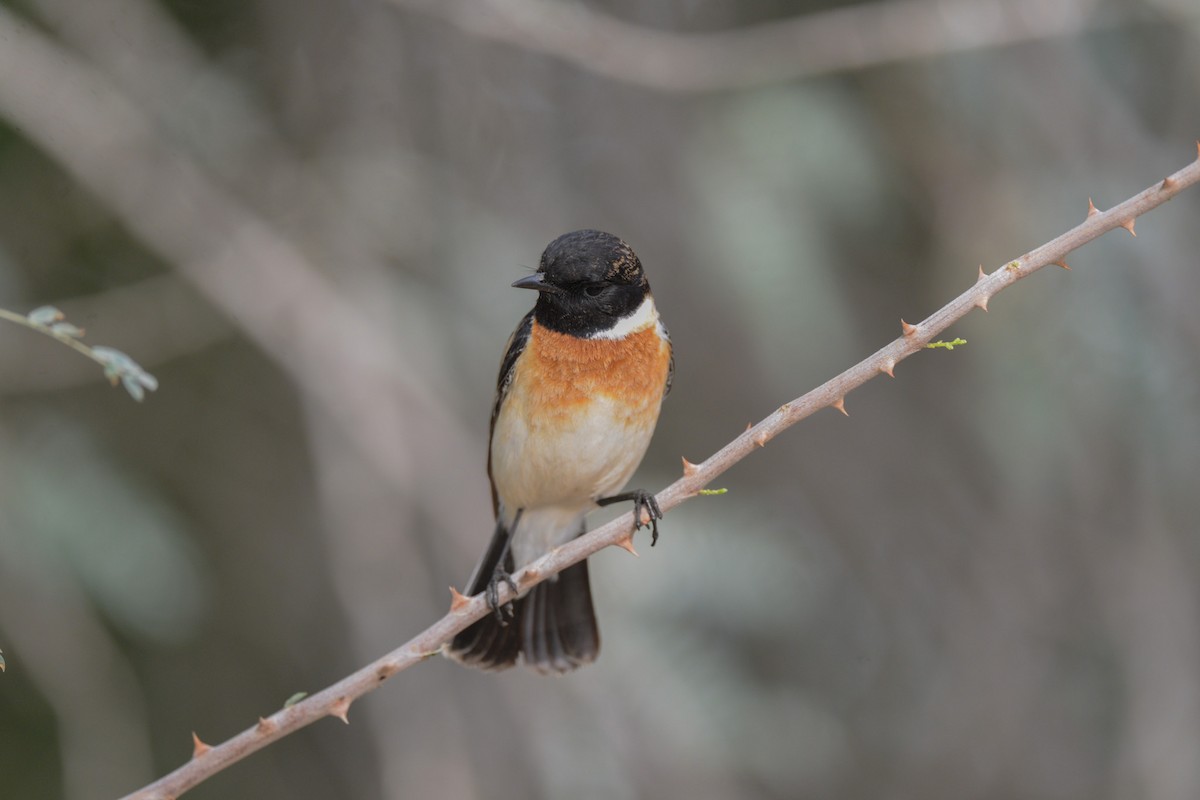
(1092, 210)
(840, 405)
(626, 544)
(982, 274)
(457, 601)
(1128, 225)
(689, 468)
(982, 302)
(888, 368)
(909, 330)
(199, 748)
(341, 709)
(1061, 263)
(265, 725)
(1168, 184)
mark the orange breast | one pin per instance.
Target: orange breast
(571, 371)
(577, 418)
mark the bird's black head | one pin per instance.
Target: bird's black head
(586, 281)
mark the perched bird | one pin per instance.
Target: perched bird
(580, 388)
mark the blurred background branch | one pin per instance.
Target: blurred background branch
(816, 43)
(253, 273)
(302, 217)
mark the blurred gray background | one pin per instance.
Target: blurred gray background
(303, 219)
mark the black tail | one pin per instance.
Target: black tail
(553, 626)
(558, 625)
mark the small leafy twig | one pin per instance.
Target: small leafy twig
(947, 345)
(709, 492)
(117, 366)
(296, 698)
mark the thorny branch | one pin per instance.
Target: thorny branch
(335, 700)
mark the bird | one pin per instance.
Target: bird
(581, 385)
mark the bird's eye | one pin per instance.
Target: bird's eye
(593, 289)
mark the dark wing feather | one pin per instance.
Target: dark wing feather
(671, 366)
(516, 345)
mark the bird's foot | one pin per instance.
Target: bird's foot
(503, 612)
(643, 501)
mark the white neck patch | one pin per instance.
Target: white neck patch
(640, 318)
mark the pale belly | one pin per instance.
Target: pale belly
(538, 462)
(556, 479)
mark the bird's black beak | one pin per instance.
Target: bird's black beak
(537, 282)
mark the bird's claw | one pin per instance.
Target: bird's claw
(645, 501)
(503, 612)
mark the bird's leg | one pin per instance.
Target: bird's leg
(500, 574)
(642, 500)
